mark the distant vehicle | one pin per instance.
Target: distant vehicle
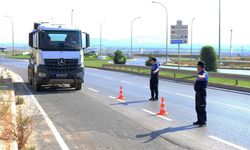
(3, 49)
(57, 56)
(91, 53)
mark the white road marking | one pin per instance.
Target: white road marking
(96, 75)
(188, 96)
(94, 90)
(232, 106)
(145, 86)
(126, 82)
(152, 113)
(108, 78)
(91, 69)
(218, 103)
(112, 97)
(47, 119)
(227, 143)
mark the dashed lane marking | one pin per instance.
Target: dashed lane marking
(218, 103)
(126, 82)
(47, 119)
(94, 90)
(108, 78)
(112, 97)
(227, 143)
(152, 113)
(96, 75)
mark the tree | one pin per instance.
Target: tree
(147, 62)
(208, 55)
(119, 57)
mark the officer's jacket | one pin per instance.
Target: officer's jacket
(154, 75)
(201, 83)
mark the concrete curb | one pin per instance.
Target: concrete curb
(228, 87)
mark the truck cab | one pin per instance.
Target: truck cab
(57, 56)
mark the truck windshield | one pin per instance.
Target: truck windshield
(60, 40)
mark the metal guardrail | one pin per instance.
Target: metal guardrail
(139, 69)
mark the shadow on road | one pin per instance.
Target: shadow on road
(20, 90)
(154, 134)
(130, 102)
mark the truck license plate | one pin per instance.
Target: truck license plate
(61, 75)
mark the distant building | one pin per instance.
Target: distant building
(3, 49)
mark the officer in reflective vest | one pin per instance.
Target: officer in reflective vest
(154, 80)
(201, 94)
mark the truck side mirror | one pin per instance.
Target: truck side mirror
(31, 39)
(85, 40)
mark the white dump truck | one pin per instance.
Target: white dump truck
(57, 56)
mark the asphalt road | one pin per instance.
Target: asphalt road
(92, 119)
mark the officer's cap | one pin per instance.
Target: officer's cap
(153, 59)
(201, 63)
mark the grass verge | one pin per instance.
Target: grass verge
(187, 77)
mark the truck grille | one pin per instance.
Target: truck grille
(68, 65)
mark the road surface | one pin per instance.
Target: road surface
(93, 119)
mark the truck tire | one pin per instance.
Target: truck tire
(78, 86)
(30, 81)
(37, 86)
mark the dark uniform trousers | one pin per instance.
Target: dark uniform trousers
(154, 87)
(200, 106)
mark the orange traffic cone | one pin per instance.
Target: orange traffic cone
(121, 96)
(162, 108)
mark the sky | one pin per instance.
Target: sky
(117, 16)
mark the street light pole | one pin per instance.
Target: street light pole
(192, 38)
(101, 24)
(231, 43)
(219, 32)
(12, 28)
(72, 13)
(166, 27)
(131, 42)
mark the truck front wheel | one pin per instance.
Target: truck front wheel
(77, 85)
(36, 85)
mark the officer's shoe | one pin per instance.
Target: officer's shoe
(151, 99)
(196, 123)
(156, 99)
(202, 124)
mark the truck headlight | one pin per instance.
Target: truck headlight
(42, 74)
(79, 74)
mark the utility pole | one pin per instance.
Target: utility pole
(13, 35)
(72, 15)
(166, 10)
(131, 42)
(101, 25)
(231, 43)
(219, 33)
(192, 38)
